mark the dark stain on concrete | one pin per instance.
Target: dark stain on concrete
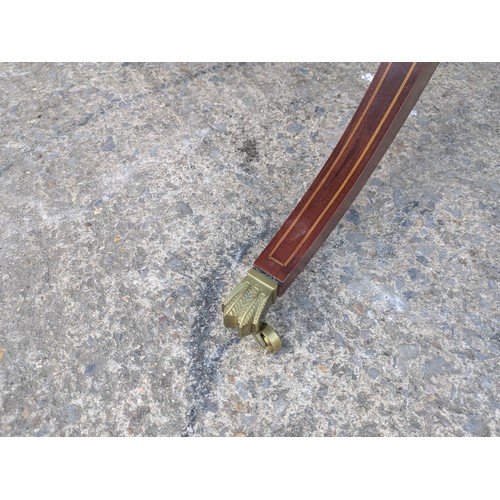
(249, 149)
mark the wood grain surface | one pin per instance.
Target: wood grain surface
(387, 103)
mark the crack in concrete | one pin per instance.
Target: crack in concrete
(205, 359)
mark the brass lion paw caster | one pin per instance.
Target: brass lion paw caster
(246, 306)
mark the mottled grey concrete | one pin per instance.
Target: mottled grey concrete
(133, 197)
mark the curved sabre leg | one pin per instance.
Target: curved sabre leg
(385, 106)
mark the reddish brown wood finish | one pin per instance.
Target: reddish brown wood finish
(388, 101)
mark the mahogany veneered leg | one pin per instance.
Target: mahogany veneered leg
(387, 103)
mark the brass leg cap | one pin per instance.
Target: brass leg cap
(268, 338)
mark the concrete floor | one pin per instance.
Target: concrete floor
(134, 196)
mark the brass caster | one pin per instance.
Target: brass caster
(268, 338)
(244, 308)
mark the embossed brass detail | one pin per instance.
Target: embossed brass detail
(244, 308)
